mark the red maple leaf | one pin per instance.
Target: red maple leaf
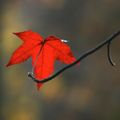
(44, 53)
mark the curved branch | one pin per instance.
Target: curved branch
(86, 54)
(108, 53)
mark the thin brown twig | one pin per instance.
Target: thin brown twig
(83, 56)
(109, 56)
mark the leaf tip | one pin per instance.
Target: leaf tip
(15, 32)
(39, 85)
(7, 65)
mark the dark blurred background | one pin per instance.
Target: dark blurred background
(89, 91)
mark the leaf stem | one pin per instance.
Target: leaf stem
(84, 55)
